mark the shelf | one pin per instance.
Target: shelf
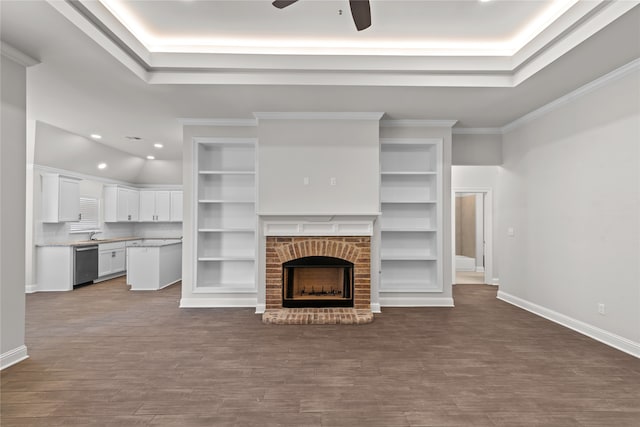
(226, 230)
(408, 230)
(410, 189)
(217, 172)
(408, 173)
(226, 287)
(225, 187)
(225, 201)
(409, 287)
(227, 258)
(423, 202)
(384, 257)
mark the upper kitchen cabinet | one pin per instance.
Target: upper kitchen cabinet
(176, 206)
(121, 204)
(60, 198)
(160, 205)
(155, 205)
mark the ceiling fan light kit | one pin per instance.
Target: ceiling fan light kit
(360, 11)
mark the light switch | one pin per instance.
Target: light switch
(332, 181)
(510, 232)
(306, 180)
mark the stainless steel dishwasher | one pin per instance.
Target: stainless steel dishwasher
(85, 264)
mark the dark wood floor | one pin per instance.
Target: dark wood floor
(103, 355)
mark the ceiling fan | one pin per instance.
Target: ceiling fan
(360, 11)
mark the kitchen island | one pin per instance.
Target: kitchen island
(154, 264)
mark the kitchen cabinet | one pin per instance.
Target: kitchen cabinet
(176, 206)
(111, 258)
(155, 205)
(60, 198)
(154, 264)
(121, 204)
(160, 205)
(54, 268)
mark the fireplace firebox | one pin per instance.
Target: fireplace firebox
(317, 281)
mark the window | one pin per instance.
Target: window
(89, 215)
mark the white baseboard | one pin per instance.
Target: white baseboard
(414, 301)
(218, 302)
(110, 276)
(479, 269)
(11, 357)
(375, 307)
(605, 337)
(30, 289)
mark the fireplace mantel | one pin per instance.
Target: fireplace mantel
(318, 224)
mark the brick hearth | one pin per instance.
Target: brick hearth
(317, 316)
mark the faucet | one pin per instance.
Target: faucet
(92, 236)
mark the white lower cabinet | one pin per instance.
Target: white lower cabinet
(111, 259)
(54, 268)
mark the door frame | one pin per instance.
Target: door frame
(488, 231)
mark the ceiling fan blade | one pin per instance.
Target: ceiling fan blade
(281, 4)
(361, 13)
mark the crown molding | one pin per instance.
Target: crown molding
(581, 91)
(477, 131)
(417, 123)
(218, 122)
(103, 180)
(318, 115)
(18, 56)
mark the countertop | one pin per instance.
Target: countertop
(156, 243)
(111, 240)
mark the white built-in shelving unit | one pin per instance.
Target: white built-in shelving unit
(225, 245)
(411, 219)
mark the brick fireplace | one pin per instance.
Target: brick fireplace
(352, 249)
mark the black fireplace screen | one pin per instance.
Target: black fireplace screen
(317, 281)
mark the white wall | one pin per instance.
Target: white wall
(13, 162)
(570, 189)
(477, 149)
(290, 150)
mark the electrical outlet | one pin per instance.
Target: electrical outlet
(332, 181)
(601, 309)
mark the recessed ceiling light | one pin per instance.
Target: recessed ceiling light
(96, 136)
(158, 145)
(102, 166)
(150, 158)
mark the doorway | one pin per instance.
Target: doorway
(471, 234)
